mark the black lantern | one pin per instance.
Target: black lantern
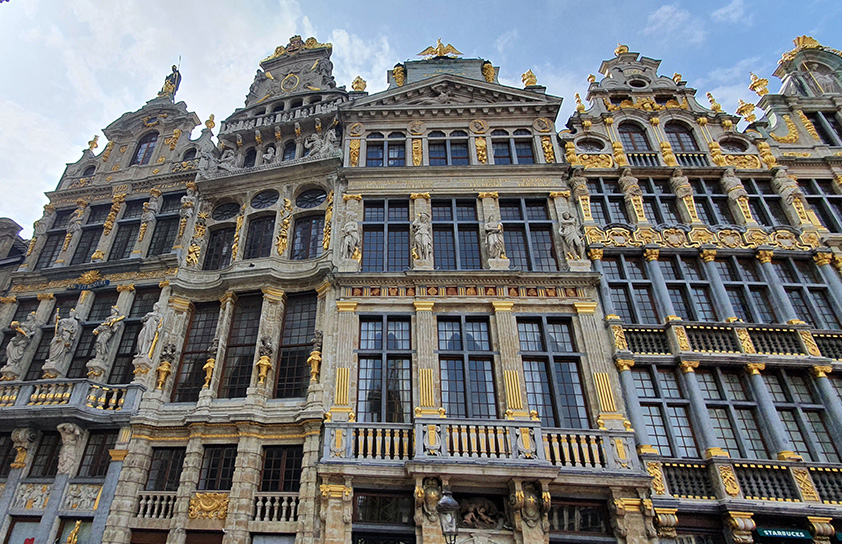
(448, 510)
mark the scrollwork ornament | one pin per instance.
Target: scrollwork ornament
(805, 484)
(654, 470)
(729, 480)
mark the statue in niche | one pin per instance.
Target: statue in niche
(188, 201)
(494, 238)
(71, 439)
(680, 184)
(822, 79)
(105, 331)
(18, 344)
(422, 247)
(571, 238)
(480, 513)
(66, 330)
(148, 212)
(74, 224)
(732, 185)
(149, 333)
(351, 238)
(171, 83)
(269, 155)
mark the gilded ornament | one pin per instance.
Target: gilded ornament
(399, 75)
(683, 342)
(688, 366)
(654, 470)
(619, 154)
(742, 161)
(755, 368)
(791, 135)
(359, 84)
(492, 194)
(823, 258)
(417, 152)
(745, 340)
(193, 254)
(488, 72)
(746, 111)
(106, 153)
(295, 45)
(595, 161)
(528, 79)
(328, 217)
(715, 107)
(669, 156)
(624, 364)
(579, 106)
(620, 49)
(235, 245)
(651, 254)
(439, 50)
(805, 484)
(810, 343)
(811, 128)
(676, 77)
(729, 480)
(478, 126)
(208, 506)
(416, 196)
(482, 150)
(346, 197)
(758, 85)
(619, 338)
(542, 124)
(716, 154)
(765, 256)
(591, 78)
(208, 368)
(163, 371)
(354, 152)
(570, 154)
(547, 146)
(821, 371)
(92, 144)
(595, 254)
(264, 365)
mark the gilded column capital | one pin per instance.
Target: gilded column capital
(688, 366)
(346, 306)
(179, 304)
(491, 194)
(651, 254)
(423, 305)
(163, 283)
(765, 255)
(8, 300)
(346, 197)
(273, 294)
(755, 368)
(118, 455)
(821, 371)
(822, 258)
(502, 305)
(416, 196)
(323, 288)
(45, 296)
(585, 307)
(560, 194)
(124, 288)
(708, 255)
(596, 254)
(229, 296)
(837, 262)
(624, 364)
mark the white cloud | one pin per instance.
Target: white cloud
(368, 58)
(504, 42)
(731, 13)
(672, 24)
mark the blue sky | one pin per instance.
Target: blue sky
(73, 66)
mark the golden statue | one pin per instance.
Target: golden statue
(758, 85)
(73, 536)
(621, 49)
(440, 50)
(164, 370)
(399, 75)
(92, 144)
(208, 368)
(488, 72)
(358, 84)
(529, 79)
(264, 365)
(315, 361)
(591, 78)
(210, 122)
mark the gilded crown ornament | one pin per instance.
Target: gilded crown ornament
(621, 49)
(359, 84)
(528, 79)
(758, 85)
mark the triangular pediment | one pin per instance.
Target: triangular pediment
(448, 90)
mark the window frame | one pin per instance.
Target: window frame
(450, 233)
(535, 260)
(382, 356)
(468, 400)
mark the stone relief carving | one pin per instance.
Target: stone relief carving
(32, 496)
(81, 497)
(426, 498)
(480, 513)
(72, 442)
(351, 238)
(732, 185)
(323, 145)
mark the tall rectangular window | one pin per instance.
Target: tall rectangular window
(456, 235)
(296, 345)
(259, 238)
(200, 334)
(219, 248)
(281, 469)
(165, 470)
(239, 352)
(665, 411)
(166, 225)
(87, 245)
(809, 294)
(630, 289)
(467, 367)
(307, 237)
(766, 206)
(826, 202)
(607, 201)
(659, 202)
(121, 370)
(217, 472)
(711, 202)
(384, 390)
(527, 233)
(96, 458)
(7, 454)
(551, 371)
(45, 461)
(386, 236)
(688, 288)
(50, 250)
(747, 289)
(124, 240)
(733, 412)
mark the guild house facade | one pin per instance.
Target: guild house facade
(425, 315)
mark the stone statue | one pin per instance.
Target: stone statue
(786, 186)
(823, 79)
(732, 185)
(480, 513)
(188, 202)
(66, 331)
(351, 239)
(628, 184)
(571, 238)
(228, 160)
(422, 247)
(74, 224)
(71, 440)
(18, 344)
(171, 83)
(321, 146)
(43, 224)
(578, 182)
(151, 325)
(680, 184)
(269, 155)
(428, 497)
(494, 238)
(148, 213)
(104, 332)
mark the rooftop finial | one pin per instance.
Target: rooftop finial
(171, 83)
(440, 50)
(758, 85)
(92, 144)
(621, 49)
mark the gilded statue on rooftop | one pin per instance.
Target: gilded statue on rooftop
(440, 50)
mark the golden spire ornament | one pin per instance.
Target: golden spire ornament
(621, 49)
(92, 144)
(746, 111)
(714, 105)
(758, 85)
(210, 122)
(579, 106)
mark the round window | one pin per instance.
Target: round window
(732, 145)
(311, 198)
(637, 83)
(264, 199)
(225, 211)
(591, 145)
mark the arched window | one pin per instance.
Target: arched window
(89, 171)
(633, 138)
(307, 237)
(449, 149)
(219, 248)
(296, 103)
(396, 149)
(680, 137)
(315, 99)
(145, 148)
(289, 151)
(382, 151)
(260, 111)
(259, 240)
(437, 147)
(189, 155)
(251, 157)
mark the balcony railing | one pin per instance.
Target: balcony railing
(156, 505)
(457, 440)
(692, 159)
(43, 396)
(271, 119)
(275, 507)
(643, 159)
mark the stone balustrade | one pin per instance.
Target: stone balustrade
(48, 397)
(156, 505)
(271, 119)
(275, 507)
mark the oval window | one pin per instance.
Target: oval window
(591, 145)
(225, 211)
(264, 199)
(310, 199)
(732, 145)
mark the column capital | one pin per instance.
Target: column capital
(490, 194)
(346, 306)
(273, 294)
(560, 194)
(346, 197)
(624, 364)
(821, 371)
(8, 300)
(416, 196)
(45, 296)
(651, 254)
(127, 287)
(765, 255)
(423, 305)
(163, 283)
(323, 288)
(755, 368)
(688, 366)
(595, 254)
(502, 305)
(708, 255)
(710, 453)
(229, 296)
(585, 307)
(823, 257)
(179, 304)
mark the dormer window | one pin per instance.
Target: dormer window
(296, 103)
(89, 171)
(189, 155)
(633, 138)
(259, 112)
(145, 148)
(278, 107)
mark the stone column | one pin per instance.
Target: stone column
(831, 277)
(595, 254)
(516, 405)
(491, 215)
(107, 495)
(830, 399)
(601, 380)
(721, 300)
(74, 233)
(186, 487)
(268, 341)
(217, 356)
(429, 384)
(336, 511)
(246, 479)
(308, 492)
(526, 499)
(786, 312)
(44, 314)
(187, 216)
(106, 240)
(710, 445)
(778, 438)
(421, 205)
(345, 382)
(662, 297)
(131, 481)
(147, 224)
(641, 434)
(739, 527)
(794, 204)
